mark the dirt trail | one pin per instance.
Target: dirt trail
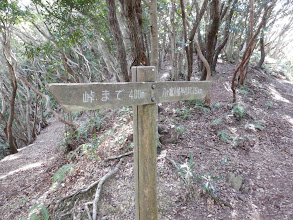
(264, 160)
(25, 176)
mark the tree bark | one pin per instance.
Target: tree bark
(247, 53)
(137, 48)
(226, 36)
(173, 39)
(207, 66)
(189, 48)
(211, 40)
(262, 50)
(154, 34)
(11, 62)
(27, 115)
(118, 38)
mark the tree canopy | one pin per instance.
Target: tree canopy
(99, 40)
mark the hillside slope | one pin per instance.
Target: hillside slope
(255, 149)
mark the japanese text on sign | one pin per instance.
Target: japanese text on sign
(107, 96)
(179, 91)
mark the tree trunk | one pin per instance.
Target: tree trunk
(137, 48)
(207, 66)
(12, 144)
(226, 36)
(27, 115)
(13, 83)
(262, 47)
(118, 37)
(162, 53)
(189, 44)
(247, 53)
(154, 34)
(211, 40)
(188, 48)
(243, 68)
(262, 52)
(173, 39)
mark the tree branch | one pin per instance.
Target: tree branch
(99, 188)
(74, 126)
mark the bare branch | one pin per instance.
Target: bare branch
(74, 126)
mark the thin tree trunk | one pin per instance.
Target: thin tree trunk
(262, 48)
(13, 84)
(180, 61)
(248, 52)
(208, 69)
(162, 53)
(262, 52)
(173, 39)
(136, 38)
(12, 145)
(187, 47)
(226, 36)
(243, 68)
(27, 115)
(118, 37)
(154, 34)
(211, 40)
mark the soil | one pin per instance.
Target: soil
(255, 148)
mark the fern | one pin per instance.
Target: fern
(45, 213)
(244, 92)
(238, 111)
(224, 135)
(257, 125)
(62, 172)
(218, 121)
(269, 105)
(179, 130)
(217, 105)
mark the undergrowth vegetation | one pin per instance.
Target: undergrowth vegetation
(101, 131)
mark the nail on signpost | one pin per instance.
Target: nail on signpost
(143, 94)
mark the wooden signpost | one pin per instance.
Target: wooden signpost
(143, 94)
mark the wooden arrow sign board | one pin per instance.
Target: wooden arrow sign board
(91, 96)
(143, 93)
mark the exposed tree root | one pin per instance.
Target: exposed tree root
(100, 182)
(99, 188)
(118, 156)
(88, 210)
(221, 202)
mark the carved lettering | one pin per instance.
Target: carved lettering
(88, 97)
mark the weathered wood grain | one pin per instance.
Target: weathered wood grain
(145, 152)
(91, 96)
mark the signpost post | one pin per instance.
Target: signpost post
(143, 94)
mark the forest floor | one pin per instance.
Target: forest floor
(252, 154)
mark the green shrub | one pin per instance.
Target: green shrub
(269, 105)
(62, 172)
(205, 181)
(238, 111)
(224, 135)
(218, 121)
(256, 125)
